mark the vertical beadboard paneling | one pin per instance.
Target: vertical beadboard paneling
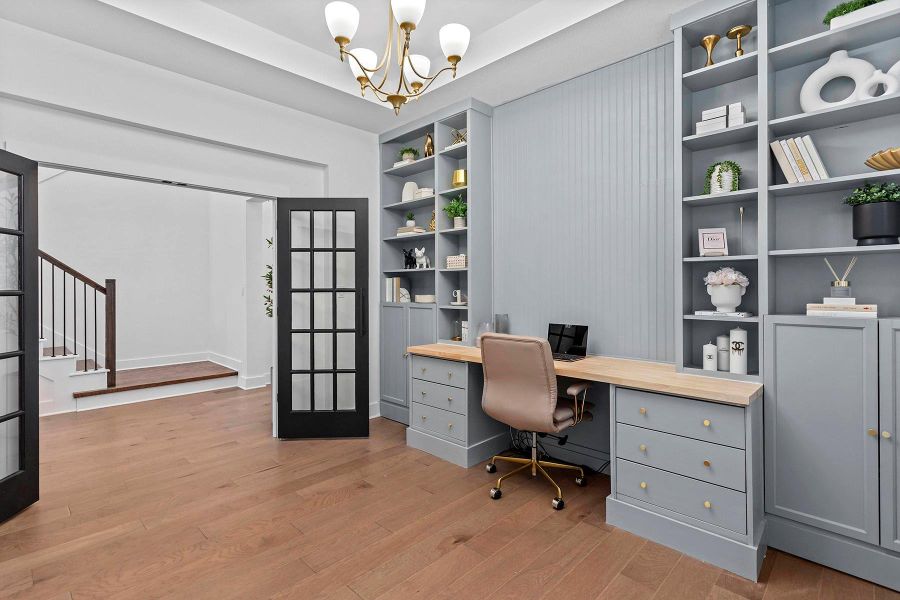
(583, 207)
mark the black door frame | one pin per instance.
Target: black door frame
(21, 489)
(321, 424)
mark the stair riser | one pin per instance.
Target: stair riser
(154, 393)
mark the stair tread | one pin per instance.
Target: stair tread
(58, 351)
(148, 377)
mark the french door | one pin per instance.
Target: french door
(18, 335)
(323, 338)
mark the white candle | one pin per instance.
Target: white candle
(709, 357)
(723, 342)
(739, 351)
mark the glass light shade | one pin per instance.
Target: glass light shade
(408, 11)
(366, 57)
(342, 19)
(454, 39)
(421, 64)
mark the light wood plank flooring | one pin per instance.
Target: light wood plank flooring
(190, 497)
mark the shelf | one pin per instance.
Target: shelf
(454, 191)
(726, 198)
(820, 46)
(887, 249)
(882, 106)
(457, 231)
(832, 184)
(716, 318)
(456, 151)
(727, 71)
(407, 271)
(754, 377)
(411, 204)
(450, 307)
(454, 270)
(738, 257)
(412, 304)
(722, 137)
(417, 166)
(414, 236)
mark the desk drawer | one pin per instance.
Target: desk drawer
(707, 421)
(683, 495)
(447, 372)
(439, 422)
(682, 455)
(438, 395)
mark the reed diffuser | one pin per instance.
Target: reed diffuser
(840, 287)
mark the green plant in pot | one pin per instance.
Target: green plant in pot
(876, 214)
(408, 154)
(845, 8)
(721, 177)
(410, 219)
(457, 209)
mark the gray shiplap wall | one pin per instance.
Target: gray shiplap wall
(584, 203)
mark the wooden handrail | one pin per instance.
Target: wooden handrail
(66, 268)
(111, 333)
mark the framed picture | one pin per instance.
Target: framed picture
(713, 242)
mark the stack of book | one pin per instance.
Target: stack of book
(423, 192)
(413, 230)
(799, 160)
(842, 307)
(720, 117)
(392, 287)
(715, 313)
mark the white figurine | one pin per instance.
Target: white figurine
(422, 261)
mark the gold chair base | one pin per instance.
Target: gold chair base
(537, 466)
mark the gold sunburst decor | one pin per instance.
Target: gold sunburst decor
(885, 160)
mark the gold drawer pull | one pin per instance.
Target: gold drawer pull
(886, 435)
(643, 485)
(642, 410)
(449, 374)
(643, 447)
(424, 417)
(424, 369)
(707, 422)
(423, 392)
(450, 426)
(872, 432)
(707, 504)
(449, 399)
(706, 463)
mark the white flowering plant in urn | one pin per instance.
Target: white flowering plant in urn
(726, 287)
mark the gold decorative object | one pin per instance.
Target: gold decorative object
(885, 160)
(459, 137)
(736, 33)
(432, 225)
(460, 179)
(429, 145)
(709, 42)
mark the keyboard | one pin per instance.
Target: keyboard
(566, 357)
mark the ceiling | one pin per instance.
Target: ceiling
(281, 51)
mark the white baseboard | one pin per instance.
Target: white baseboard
(254, 381)
(225, 361)
(374, 409)
(159, 361)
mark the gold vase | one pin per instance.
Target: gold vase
(460, 179)
(709, 42)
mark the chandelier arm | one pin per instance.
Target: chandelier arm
(390, 40)
(431, 80)
(404, 58)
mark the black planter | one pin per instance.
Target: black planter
(876, 224)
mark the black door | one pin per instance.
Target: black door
(323, 338)
(18, 335)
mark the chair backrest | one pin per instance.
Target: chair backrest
(519, 381)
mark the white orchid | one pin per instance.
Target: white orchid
(726, 276)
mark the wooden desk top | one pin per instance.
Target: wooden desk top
(644, 375)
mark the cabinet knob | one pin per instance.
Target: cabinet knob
(449, 399)
(423, 392)
(642, 410)
(707, 504)
(872, 431)
(405, 354)
(449, 425)
(643, 447)
(707, 422)
(706, 463)
(424, 369)
(886, 435)
(424, 417)
(449, 374)
(643, 485)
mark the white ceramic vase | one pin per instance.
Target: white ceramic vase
(727, 181)
(410, 223)
(408, 157)
(409, 191)
(726, 298)
(867, 90)
(839, 65)
(459, 222)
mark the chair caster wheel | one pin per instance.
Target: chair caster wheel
(490, 468)
(558, 504)
(496, 493)
(581, 481)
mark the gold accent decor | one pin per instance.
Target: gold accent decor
(737, 32)
(433, 224)
(459, 137)
(429, 143)
(460, 178)
(885, 160)
(709, 42)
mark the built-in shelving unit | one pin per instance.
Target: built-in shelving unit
(787, 228)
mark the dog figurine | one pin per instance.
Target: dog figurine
(409, 261)
(422, 261)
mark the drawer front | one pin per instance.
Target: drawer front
(447, 372)
(439, 422)
(703, 501)
(721, 465)
(707, 421)
(438, 395)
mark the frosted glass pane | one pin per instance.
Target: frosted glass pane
(322, 229)
(300, 310)
(9, 201)
(9, 323)
(324, 351)
(9, 385)
(346, 351)
(299, 270)
(300, 229)
(9, 447)
(300, 351)
(323, 310)
(346, 270)
(324, 391)
(346, 310)
(323, 271)
(300, 392)
(9, 267)
(346, 391)
(345, 234)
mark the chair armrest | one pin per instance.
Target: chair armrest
(577, 388)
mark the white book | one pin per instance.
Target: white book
(735, 119)
(715, 313)
(782, 160)
(839, 301)
(804, 152)
(817, 160)
(736, 107)
(790, 158)
(389, 290)
(842, 314)
(712, 113)
(711, 125)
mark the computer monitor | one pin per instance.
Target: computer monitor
(567, 339)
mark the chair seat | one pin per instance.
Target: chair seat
(564, 415)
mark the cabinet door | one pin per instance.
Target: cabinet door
(422, 325)
(394, 337)
(821, 401)
(890, 420)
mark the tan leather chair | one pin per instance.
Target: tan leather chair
(520, 390)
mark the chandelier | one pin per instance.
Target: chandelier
(342, 19)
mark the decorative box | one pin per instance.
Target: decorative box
(424, 298)
(458, 261)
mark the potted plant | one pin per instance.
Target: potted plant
(846, 13)
(457, 209)
(723, 176)
(408, 154)
(876, 214)
(725, 288)
(410, 219)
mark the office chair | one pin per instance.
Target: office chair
(520, 391)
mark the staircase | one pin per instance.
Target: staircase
(77, 321)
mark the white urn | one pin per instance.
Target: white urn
(726, 298)
(727, 178)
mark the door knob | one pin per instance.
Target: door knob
(886, 435)
(872, 432)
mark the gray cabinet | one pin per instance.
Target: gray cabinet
(821, 420)
(890, 425)
(401, 326)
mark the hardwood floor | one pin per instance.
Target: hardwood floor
(148, 377)
(190, 497)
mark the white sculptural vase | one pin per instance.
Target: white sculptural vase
(839, 65)
(726, 298)
(727, 178)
